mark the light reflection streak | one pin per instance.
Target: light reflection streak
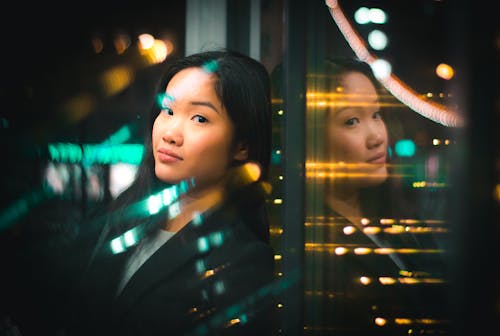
(320, 99)
(328, 221)
(236, 313)
(332, 170)
(371, 230)
(149, 205)
(330, 247)
(21, 207)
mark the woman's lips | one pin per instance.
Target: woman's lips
(168, 156)
(377, 159)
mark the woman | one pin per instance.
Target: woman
(186, 249)
(360, 189)
(356, 140)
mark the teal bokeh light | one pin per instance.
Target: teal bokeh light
(211, 66)
(405, 148)
(276, 157)
(126, 240)
(164, 100)
(203, 244)
(95, 153)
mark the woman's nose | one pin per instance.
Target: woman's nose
(173, 133)
(377, 135)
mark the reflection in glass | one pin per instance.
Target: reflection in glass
(374, 261)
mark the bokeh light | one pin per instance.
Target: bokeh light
(445, 71)
(378, 39)
(381, 68)
(377, 15)
(362, 15)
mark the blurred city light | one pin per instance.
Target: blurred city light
(365, 280)
(380, 321)
(405, 148)
(362, 15)
(126, 240)
(121, 42)
(154, 204)
(348, 230)
(146, 41)
(377, 15)
(121, 176)
(116, 79)
(97, 44)
(378, 39)
(154, 51)
(445, 71)
(78, 107)
(381, 68)
(122, 135)
(90, 153)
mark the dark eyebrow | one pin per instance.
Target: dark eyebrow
(205, 103)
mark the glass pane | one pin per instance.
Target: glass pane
(383, 129)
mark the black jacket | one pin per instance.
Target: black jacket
(210, 278)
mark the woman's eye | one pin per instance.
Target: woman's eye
(352, 121)
(168, 111)
(200, 119)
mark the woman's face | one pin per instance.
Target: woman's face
(356, 134)
(192, 135)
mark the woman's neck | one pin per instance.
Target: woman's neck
(346, 203)
(194, 203)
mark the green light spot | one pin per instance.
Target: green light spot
(216, 238)
(54, 153)
(405, 148)
(203, 244)
(101, 154)
(169, 195)
(183, 187)
(276, 157)
(174, 210)
(197, 219)
(211, 66)
(117, 246)
(154, 204)
(164, 100)
(200, 266)
(243, 318)
(120, 136)
(219, 287)
(130, 238)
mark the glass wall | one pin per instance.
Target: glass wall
(375, 143)
(382, 131)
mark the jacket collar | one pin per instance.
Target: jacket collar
(184, 247)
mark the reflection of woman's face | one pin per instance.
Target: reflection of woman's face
(355, 132)
(192, 136)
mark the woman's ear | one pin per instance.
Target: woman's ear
(241, 152)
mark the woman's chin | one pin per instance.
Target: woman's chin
(373, 177)
(377, 177)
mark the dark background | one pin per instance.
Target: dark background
(48, 54)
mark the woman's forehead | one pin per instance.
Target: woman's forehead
(355, 82)
(190, 82)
